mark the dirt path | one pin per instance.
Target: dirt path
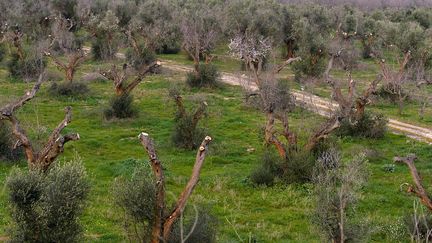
(316, 104)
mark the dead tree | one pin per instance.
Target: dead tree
(417, 189)
(120, 77)
(162, 226)
(75, 59)
(53, 147)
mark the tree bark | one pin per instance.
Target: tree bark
(184, 196)
(162, 226)
(156, 165)
(55, 145)
(418, 188)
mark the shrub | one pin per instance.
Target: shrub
(102, 50)
(298, 167)
(337, 190)
(7, 152)
(28, 68)
(172, 48)
(369, 126)
(136, 197)
(419, 227)
(185, 135)
(392, 93)
(46, 207)
(70, 89)
(208, 76)
(138, 60)
(121, 107)
(267, 171)
(204, 230)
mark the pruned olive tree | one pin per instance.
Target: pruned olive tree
(64, 41)
(313, 30)
(186, 132)
(411, 43)
(121, 104)
(160, 218)
(45, 157)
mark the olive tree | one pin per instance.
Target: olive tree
(46, 156)
(313, 30)
(104, 27)
(145, 200)
(121, 104)
(155, 22)
(200, 31)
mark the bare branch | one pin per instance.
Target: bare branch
(9, 109)
(418, 189)
(184, 196)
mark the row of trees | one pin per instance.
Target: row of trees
(150, 27)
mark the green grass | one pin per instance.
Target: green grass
(363, 75)
(277, 214)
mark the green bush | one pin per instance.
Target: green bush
(296, 168)
(7, 152)
(70, 89)
(265, 174)
(47, 207)
(185, 135)
(28, 68)
(369, 126)
(121, 107)
(208, 76)
(138, 60)
(391, 93)
(204, 230)
(136, 196)
(172, 48)
(337, 191)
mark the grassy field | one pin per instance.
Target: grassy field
(277, 214)
(366, 72)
